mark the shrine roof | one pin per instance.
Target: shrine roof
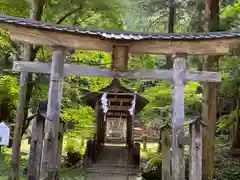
(45, 34)
(92, 97)
(115, 35)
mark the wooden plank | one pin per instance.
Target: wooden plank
(178, 161)
(88, 42)
(50, 148)
(166, 154)
(79, 70)
(118, 108)
(196, 146)
(119, 100)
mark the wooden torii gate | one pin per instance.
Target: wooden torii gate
(120, 44)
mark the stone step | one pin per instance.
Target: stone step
(112, 155)
(113, 168)
(112, 165)
(101, 176)
(113, 171)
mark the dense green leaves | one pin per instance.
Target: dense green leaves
(8, 98)
(5, 43)
(83, 118)
(15, 8)
(161, 96)
(105, 14)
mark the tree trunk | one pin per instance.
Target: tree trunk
(35, 14)
(171, 22)
(24, 96)
(236, 132)
(209, 115)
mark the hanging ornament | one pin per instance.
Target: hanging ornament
(132, 109)
(104, 102)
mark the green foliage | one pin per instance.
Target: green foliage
(83, 117)
(145, 61)
(230, 75)
(229, 91)
(8, 88)
(5, 42)
(8, 97)
(226, 121)
(155, 162)
(14, 8)
(230, 16)
(95, 14)
(226, 167)
(161, 96)
(73, 174)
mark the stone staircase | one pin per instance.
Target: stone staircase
(111, 164)
(111, 169)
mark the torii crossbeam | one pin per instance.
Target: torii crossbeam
(78, 70)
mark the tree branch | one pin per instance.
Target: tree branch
(69, 14)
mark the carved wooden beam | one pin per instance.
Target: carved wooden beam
(120, 57)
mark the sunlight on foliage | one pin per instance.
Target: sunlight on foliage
(226, 121)
(8, 88)
(15, 8)
(161, 96)
(83, 118)
(5, 42)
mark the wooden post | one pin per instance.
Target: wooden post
(50, 146)
(98, 119)
(144, 141)
(166, 155)
(35, 154)
(32, 152)
(120, 56)
(97, 108)
(101, 130)
(129, 130)
(196, 146)
(36, 143)
(19, 124)
(178, 161)
(60, 145)
(40, 132)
